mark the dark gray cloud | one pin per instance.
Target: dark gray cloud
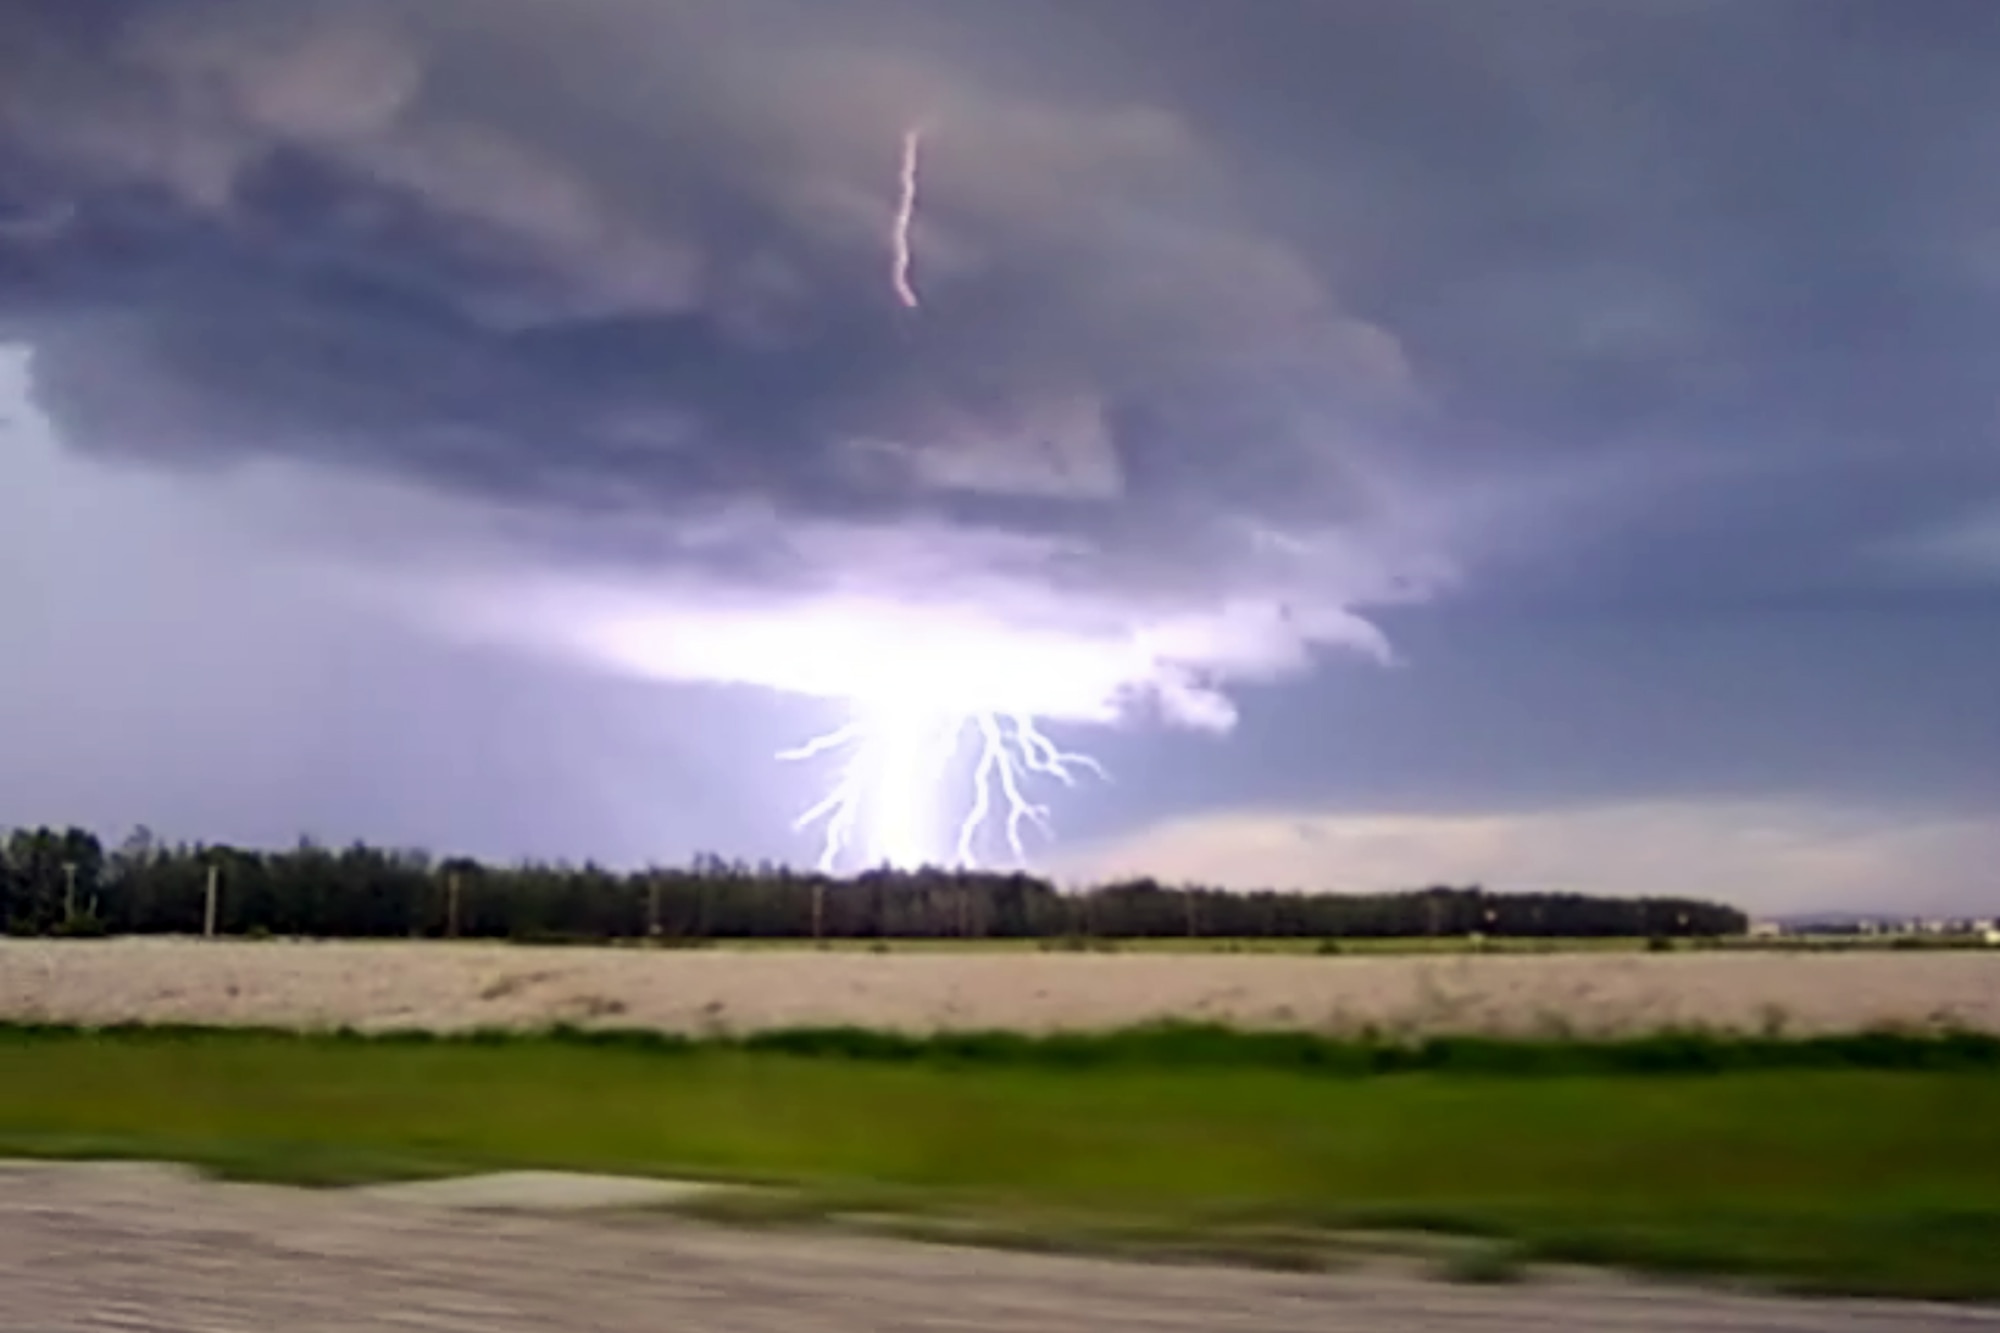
(570, 324)
(1245, 265)
(640, 257)
(637, 261)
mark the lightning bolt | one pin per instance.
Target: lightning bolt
(892, 765)
(840, 807)
(895, 760)
(906, 213)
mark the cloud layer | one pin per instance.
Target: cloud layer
(1772, 856)
(1132, 437)
(1622, 371)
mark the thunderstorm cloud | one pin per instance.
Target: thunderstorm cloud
(1390, 369)
(630, 270)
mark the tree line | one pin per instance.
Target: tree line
(66, 882)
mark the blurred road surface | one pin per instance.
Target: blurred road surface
(92, 1249)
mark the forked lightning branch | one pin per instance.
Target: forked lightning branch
(883, 806)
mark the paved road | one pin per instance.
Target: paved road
(91, 1249)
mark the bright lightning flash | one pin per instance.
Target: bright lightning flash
(897, 757)
(906, 212)
(882, 808)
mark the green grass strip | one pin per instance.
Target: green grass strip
(1182, 1045)
(1851, 1164)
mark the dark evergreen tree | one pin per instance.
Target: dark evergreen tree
(55, 880)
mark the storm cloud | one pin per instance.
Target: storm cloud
(570, 327)
(635, 267)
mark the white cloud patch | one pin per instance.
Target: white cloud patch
(1058, 448)
(1964, 551)
(1764, 855)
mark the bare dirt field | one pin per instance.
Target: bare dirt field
(456, 986)
(89, 1249)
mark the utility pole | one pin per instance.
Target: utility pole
(208, 914)
(653, 907)
(69, 893)
(819, 909)
(1187, 896)
(451, 905)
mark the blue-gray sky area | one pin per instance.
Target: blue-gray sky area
(1530, 442)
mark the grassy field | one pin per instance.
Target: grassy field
(1850, 1167)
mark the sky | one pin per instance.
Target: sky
(1546, 445)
